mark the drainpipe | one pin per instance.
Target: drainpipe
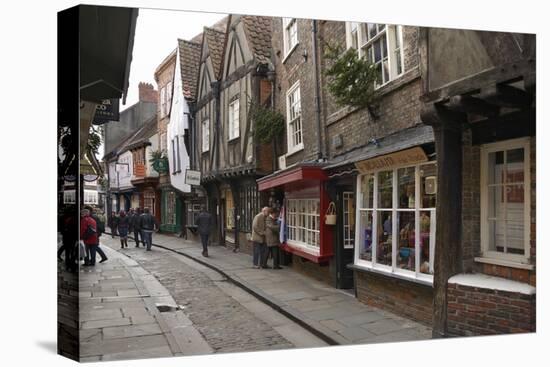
(320, 149)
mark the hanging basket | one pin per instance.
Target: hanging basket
(330, 215)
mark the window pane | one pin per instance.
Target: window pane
(425, 241)
(515, 237)
(385, 190)
(384, 47)
(385, 67)
(367, 191)
(384, 249)
(514, 165)
(495, 165)
(405, 179)
(428, 185)
(365, 239)
(371, 29)
(405, 247)
(495, 205)
(496, 235)
(377, 51)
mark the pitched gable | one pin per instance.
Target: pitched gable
(189, 53)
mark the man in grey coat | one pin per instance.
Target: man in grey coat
(258, 237)
(204, 225)
(272, 227)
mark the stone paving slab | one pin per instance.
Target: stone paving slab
(332, 313)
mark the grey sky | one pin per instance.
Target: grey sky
(156, 36)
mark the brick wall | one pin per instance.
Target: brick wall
(399, 106)
(479, 311)
(407, 299)
(147, 92)
(290, 70)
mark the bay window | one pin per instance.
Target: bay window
(505, 200)
(381, 44)
(396, 220)
(303, 224)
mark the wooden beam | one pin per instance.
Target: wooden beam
(469, 104)
(505, 95)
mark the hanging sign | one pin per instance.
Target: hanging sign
(404, 157)
(192, 177)
(106, 111)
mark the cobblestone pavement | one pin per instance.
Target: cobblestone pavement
(229, 319)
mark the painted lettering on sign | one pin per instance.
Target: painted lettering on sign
(401, 158)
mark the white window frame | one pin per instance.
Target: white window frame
(289, 43)
(234, 125)
(393, 270)
(484, 153)
(363, 42)
(291, 147)
(297, 220)
(348, 240)
(205, 133)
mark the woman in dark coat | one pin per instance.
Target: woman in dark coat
(123, 226)
(113, 224)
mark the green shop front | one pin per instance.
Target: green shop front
(171, 211)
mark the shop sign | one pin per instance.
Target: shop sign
(107, 110)
(192, 177)
(402, 158)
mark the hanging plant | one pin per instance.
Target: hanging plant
(268, 124)
(159, 161)
(350, 78)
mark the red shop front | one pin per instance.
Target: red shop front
(305, 205)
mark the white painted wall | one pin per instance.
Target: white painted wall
(176, 128)
(125, 172)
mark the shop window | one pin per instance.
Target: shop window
(229, 210)
(69, 197)
(381, 44)
(249, 206)
(396, 227)
(193, 211)
(90, 197)
(348, 203)
(170, 205)
(505, 200)
(303, 223)
(149, 201)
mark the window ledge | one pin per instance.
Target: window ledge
(290, 52)
(390, 274)
(501, 262)
(295, 150)
(233, 140)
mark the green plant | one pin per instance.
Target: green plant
(157, 155)
(268, 124)
(350, 78)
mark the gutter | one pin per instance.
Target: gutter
(320, 148)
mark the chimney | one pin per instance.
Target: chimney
(147, 92)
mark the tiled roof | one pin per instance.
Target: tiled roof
(142, 135)
(190, 53)
(258, 33)
(215, 40)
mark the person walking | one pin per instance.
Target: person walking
(113, 224)
(272, 228)
(123, 226)
(258, 237)
(137, 229)
(88, 234)
(148, 224)
(100, 230)
(204, 225)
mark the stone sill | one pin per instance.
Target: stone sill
(391, 86)
(510, 264)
